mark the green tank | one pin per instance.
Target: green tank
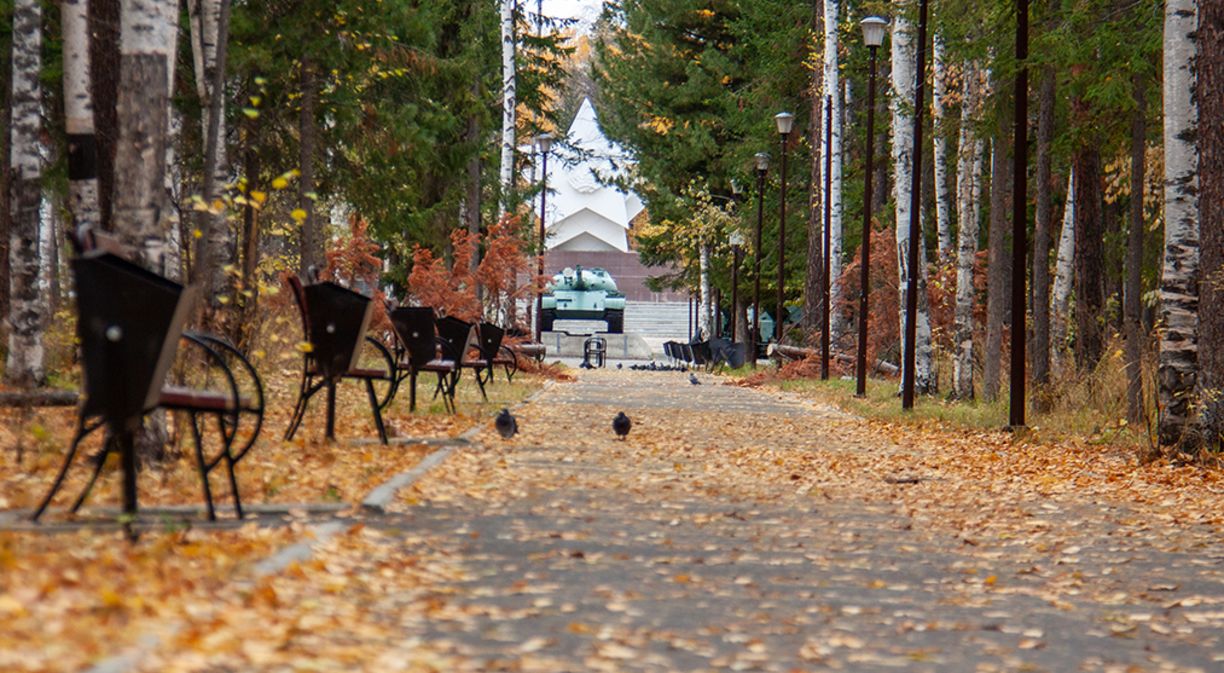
(583, 294)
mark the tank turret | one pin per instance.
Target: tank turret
(583, 294)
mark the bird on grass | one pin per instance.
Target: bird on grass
(506, 425)
(693, 379)
(621, 425)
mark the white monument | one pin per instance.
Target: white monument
(586, 212)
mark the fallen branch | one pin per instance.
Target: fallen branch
(41, 397)
(783, 351)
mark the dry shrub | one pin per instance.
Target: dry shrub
(450, 291)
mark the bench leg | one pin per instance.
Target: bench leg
(199, 452)
(412, 377)
(376, 410)
(448, 391)
(480, 384)
(306, 392)
(227, 439)
(63, 472)
(233, 479)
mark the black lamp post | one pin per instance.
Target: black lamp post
(544, 143)
(828, 221)
(785, 121)
(762, 167)
(915, 228)
(1019, 220)
(873, 35)
(737, 249)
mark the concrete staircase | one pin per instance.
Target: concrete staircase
(655, 322)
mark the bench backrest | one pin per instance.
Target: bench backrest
(491, 337)
(415, 328)
(458, 334)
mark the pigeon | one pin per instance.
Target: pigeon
(619, 365)
(621, 425)
(693, 379)
(505, 424)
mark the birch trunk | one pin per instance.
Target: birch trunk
(703, 313)
(1179, 276)
(833, 87)
(996, 268)
(1039, 351)
(943, 199)
(311, 256)
(509, 106)
(147, 32)
(969, 191)
(79, 118)
(27, 308)
(1064, 272)
(1132, 302)
(216, 253)
(903, 66)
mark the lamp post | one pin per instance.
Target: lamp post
(1019, 220)
(785, 121)
(762, 167)
(915, 229)
(873, 36)
(737, 248)
(543, 143)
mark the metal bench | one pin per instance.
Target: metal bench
(130, 323)
(420, 349)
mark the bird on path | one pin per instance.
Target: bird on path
(506, 425)
(693, 379)
(621, 425)
(619, 365)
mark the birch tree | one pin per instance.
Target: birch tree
(813, 281)
(27, 307)
(1179, 273)
(903, 67)
(970, 149)
(509, 105)
(79, 117)
(1211, 175)
(943, 198)
(832, 87)
(1064, 272)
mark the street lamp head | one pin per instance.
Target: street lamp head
(736, 239)
(544, 142)
(785, 122)
(762, 161)
(873, 30)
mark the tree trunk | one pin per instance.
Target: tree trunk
(903, 66)
(813, 279)
(1133, 304)
(1064, 274)
(1039, 349)
(509, 108)
(997, 276)
(27, 307)
(1089, 256)
(215, 250)
(832, 87)
(312, 237)
(969, 193)
(104, 87)
(939, 136)
(1211, 175)
(5, 209)
(703, 289)
(79, 118)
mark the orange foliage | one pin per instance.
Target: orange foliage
(883, 322)
(354, 263)
(450, 291)
(503, 262)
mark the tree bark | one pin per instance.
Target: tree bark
(79, 118)
(312, 239)
(1039, 348)
(27, 307)
(813, 285)
(939, 136)
(509, 108)
(1064, 274)
(997, 275)
(6, 73)
(104, 87)
(1089, 256)
(969, 194)
(903, 66)
(1132, 295)
(1211, 175)
(832, 87)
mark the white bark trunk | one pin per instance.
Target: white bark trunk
(148, 32)
(27, 307)
(903, 67)
(833, 87)
(1179, 278)
(79, 117)
(509, 105)
(1064, 275)
(943, 199)
(968, 190)
(207, 36)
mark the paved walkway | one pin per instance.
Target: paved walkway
(738, 529)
